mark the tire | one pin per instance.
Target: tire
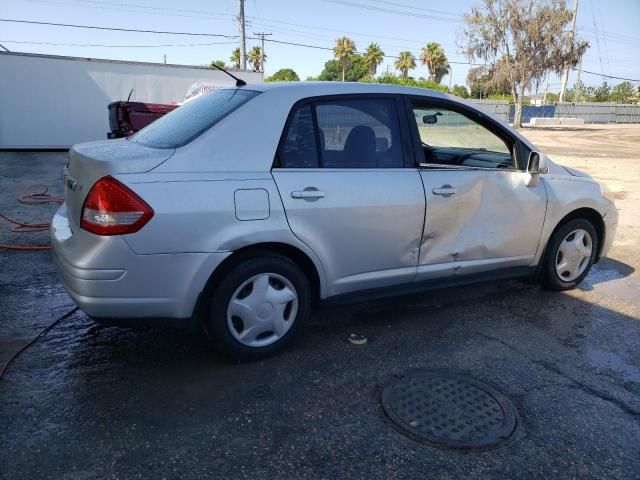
(258, 307)
(566, 263)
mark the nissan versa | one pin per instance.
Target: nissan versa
(247, 205)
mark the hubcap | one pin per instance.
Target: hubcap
(573, 255)
(262, 310)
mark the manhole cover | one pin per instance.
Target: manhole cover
(449, 411)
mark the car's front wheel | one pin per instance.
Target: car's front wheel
(259, 306)
(570, 254)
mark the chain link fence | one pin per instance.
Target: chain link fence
(599, 112)
(590, 112)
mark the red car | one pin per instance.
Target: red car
(126, 118)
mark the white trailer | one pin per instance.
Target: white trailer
(50, 102)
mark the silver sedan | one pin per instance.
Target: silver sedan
(245, 207)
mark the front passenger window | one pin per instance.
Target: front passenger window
(450, 138)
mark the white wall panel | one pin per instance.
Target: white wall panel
(54, 102)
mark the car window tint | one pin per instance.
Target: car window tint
(359, 133)
(451, 138)
(299, 148)
(188, 121)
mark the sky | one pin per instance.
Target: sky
(610, 26)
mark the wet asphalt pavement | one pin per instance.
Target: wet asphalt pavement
(88, 401)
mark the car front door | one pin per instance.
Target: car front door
(483, 212)
(348, 193)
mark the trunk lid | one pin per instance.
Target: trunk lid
(91, 161)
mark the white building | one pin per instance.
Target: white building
(53, 102)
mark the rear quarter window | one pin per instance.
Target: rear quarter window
(190, 120)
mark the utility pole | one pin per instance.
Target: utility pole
(243, 45)
(576, 96)
(450, 76)
(565, 73)
(262, 53)
(165, 58)
(546, 89)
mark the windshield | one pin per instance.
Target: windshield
(192, 119)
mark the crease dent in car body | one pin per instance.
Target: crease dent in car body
(245, 207)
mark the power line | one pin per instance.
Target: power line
(130, 8)
(256, 20)
(417, 8)
(616, 37)
(118, 46)
(396, 12)
(318, 47)
(609, 76)
(93, 27)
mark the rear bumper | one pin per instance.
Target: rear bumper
(107, 279)
(610, 227)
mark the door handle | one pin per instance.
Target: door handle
(309, 193)
(445, 191)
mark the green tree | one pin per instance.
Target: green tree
(332, 72)
(219, 63)
(405, 62)
(283, 75)
(552, 98)
(622, 93)
(235, 58)
(257, 59)
(523, 41)
(344, 50)
(482, 83)
(373, 57)
(434, 58)
(602, 93)
(460, 91)
(408, 82)
(578, 93)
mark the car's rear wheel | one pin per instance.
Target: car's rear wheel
(259, 306)
(570, 254)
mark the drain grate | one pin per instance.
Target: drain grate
(449, 411)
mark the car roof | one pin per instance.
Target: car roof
(311, 89)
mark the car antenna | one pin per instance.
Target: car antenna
(129, 97)
(239, 81)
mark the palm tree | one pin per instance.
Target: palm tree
(343, 51)
(235, 58)
(257, 59)
(434, 58)
(405, 62)
(373, 57)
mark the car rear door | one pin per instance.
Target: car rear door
(483, 212)
(342, 173)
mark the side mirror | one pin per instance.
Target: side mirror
(537, 163)
(431, 119)
(533, 164)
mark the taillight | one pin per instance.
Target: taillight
(111, 208)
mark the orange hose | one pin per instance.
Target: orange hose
(25, 247)
(30, 197)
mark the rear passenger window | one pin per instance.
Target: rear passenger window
(299, 148)
(359, 133)
(350, 133)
